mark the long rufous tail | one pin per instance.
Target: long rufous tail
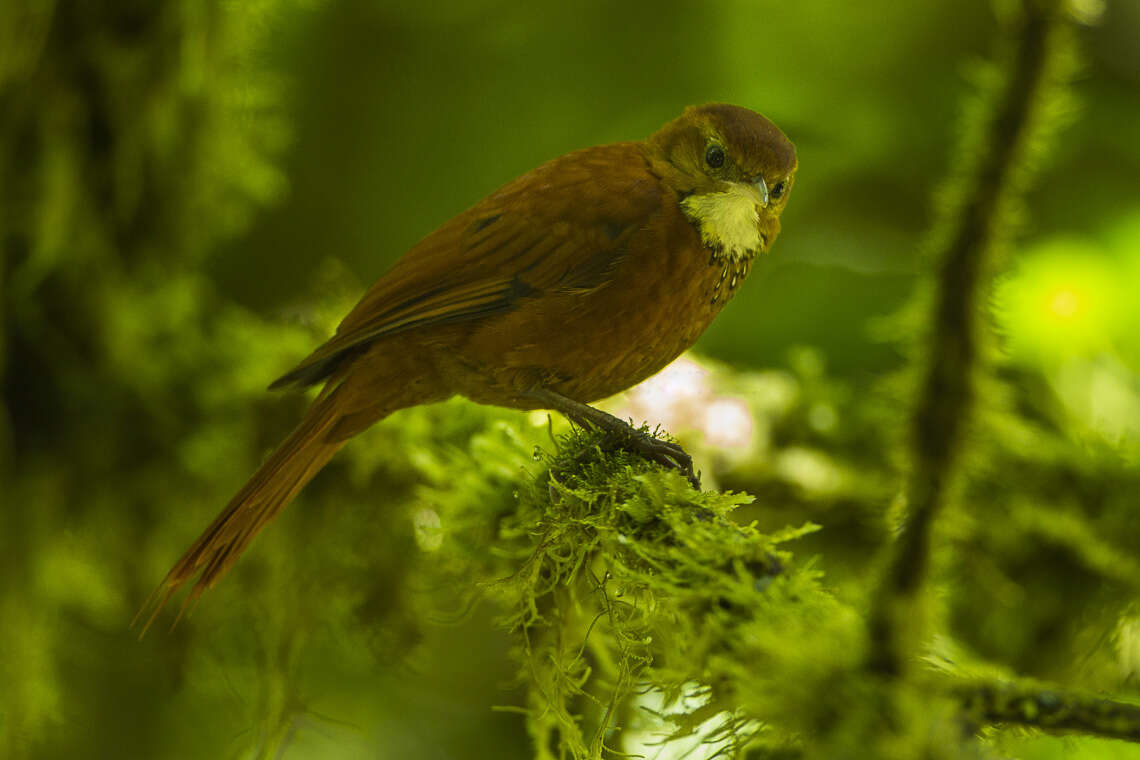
(307, 449)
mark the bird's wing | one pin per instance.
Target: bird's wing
(562, 227)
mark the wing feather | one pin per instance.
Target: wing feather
(561, 227)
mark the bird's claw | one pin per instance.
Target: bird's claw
(665, 453)
(621, 434)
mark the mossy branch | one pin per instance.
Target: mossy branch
(977, 219)
(629, 580)
(984, 704)
(1049, 710)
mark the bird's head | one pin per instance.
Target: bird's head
(733, 170)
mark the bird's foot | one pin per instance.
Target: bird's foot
(665, 453)
(620, 434)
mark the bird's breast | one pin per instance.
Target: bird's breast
(588, 345)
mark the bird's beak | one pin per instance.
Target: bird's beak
(762, 187)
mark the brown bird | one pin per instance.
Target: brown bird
(575, 281)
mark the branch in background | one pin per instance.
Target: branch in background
(1049, 710)
(1003, 704)
(976, 220)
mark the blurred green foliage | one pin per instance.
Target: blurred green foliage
(192, 192)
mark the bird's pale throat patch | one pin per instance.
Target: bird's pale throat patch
(729, 221)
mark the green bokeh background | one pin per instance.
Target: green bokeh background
(247, 169)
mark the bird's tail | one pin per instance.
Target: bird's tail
(307, 449)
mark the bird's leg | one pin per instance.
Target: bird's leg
(625, 435)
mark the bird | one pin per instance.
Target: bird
(573, 282)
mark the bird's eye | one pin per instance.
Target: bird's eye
(778, 189)
(714, 156)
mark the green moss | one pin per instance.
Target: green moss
(630, 578)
